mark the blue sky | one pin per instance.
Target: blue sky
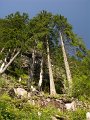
(77, 12)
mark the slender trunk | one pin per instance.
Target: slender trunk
(2, 50)
(29, 78)
(52, 85)
(41, 75)
(31, 70)
(13, 52)
(4, 63)
(32, 65)
(33, 58)
(2, 66)
(67, 68)
(7, 65)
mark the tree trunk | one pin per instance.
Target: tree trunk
(4, 62)
(2, 50)
(52, 85)
(31, 70)
(41, 75)
(68, 73)
(4, 67)
(32, 65)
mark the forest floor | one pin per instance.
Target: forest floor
(38, 105)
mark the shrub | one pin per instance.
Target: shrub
(77, 115)
(2, 83)
(81, 86)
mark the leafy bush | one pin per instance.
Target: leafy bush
(2, 82)
(77, 115)
(81, 86)
(19, 109)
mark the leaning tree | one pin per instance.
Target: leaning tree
(13, 37)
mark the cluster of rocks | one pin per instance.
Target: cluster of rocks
(40, 100)
(22, 93)
(88, 116)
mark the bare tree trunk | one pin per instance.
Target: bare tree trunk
(2, 50)
(4, 67)
(32, 65)
(31, 70)
(68, 73)
(4, 62)
(41, 75)
(52, 85)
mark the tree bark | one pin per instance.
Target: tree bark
(4, 62)
(4, 67)
(67, 68)
(31, 70)
(41, 75)
(2, 50)
(32, 65)
(52, 85)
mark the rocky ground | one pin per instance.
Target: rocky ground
(61, 103)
